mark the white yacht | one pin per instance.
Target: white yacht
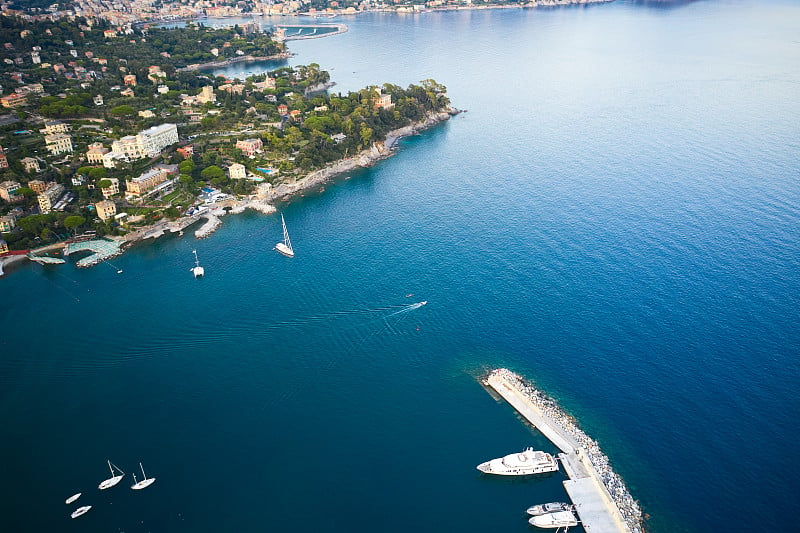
(80, 511)
(144, 483)
(114, 479)
(554, 520)
(72, 498)
(520, 464)
(285, 247)
(544, 508)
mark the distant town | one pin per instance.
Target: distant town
(108, 131)
(121, 12)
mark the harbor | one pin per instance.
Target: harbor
(601, 499)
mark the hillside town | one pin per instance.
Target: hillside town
(114, 132)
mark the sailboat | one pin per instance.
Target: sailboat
(81, 511)
(285, 247)
(197, 270)
(114, 479)
(144, 483)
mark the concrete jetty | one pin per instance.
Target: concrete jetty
(601, 499)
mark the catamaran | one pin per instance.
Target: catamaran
(80, 511)
(144, 483)
(114, 479)
(285, 247)
(72, 498)
(197, 270)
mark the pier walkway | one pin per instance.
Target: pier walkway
(598, 511)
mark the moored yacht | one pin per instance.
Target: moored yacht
(113, 480)
(72, 498)
(554, 520)
(544, 508)
(523, 463)
(80, 511)
(144, 483)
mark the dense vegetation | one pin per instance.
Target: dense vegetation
(313, 129)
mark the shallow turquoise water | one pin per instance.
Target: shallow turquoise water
(616, 217)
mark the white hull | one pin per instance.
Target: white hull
(285, 250)
(554, 520)
(81, 511)
(72, 498)
(110, 482)
(198, 271)
(520, 464)
(537, 510)
(143, 484)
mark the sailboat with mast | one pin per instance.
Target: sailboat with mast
(197, 270)
(144, 483)
(114, 479)
(285, 247)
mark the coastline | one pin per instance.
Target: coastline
(233, 61)
(264, 202)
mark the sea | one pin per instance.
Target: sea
(615, 216)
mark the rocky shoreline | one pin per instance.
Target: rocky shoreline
(364, 159)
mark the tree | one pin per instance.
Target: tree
(73, 222)
(26, 192)
(104, 184)
(122, 110)
(212, 172)
(186, 166)
(98, 173)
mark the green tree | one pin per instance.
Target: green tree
(103, 184)
(98, 173)
(209, 173)
(186, 166)
(73, 222)
(122, 111)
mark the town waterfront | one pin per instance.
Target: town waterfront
(615, 218)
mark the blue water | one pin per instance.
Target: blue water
(617, 217)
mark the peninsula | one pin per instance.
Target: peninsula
(125, 140)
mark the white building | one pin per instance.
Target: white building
(49, 197)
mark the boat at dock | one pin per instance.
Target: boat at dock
(72, 498)
(554, 520)
(144, 483)
(523, 463)
(544, 508)
(285, 247)
(80, 511)
(114, 479)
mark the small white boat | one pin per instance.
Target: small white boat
(554, 520)
(114, 479)
(144, 483)
(80, 511)
(544, 508)
(72, 498)
(285, 247)
(197, 270)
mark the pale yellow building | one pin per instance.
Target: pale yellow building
(237, 171)
(146, 182)
(112, 189)
(58, 143)
(8, 190)
(49, 197)
(106, 209)
(95, 153)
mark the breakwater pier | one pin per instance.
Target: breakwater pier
(601, 499)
